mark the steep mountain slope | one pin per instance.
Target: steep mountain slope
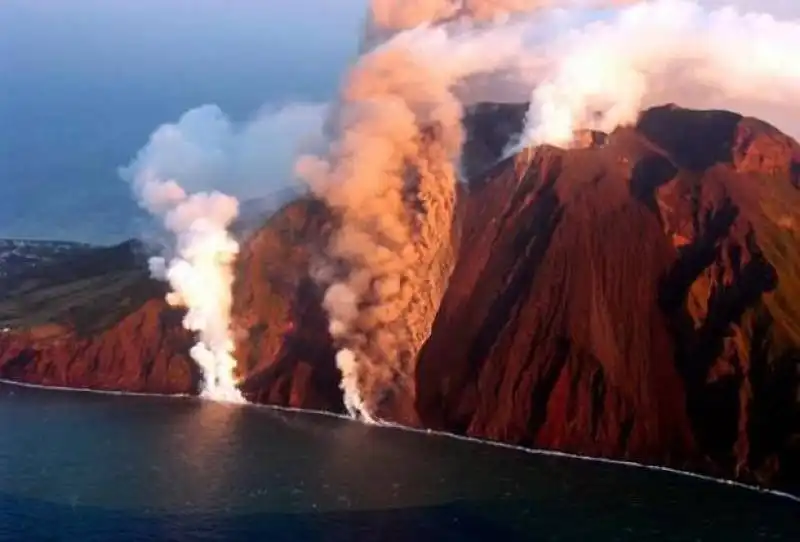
(285, 352)
(638, 297)
(637, 300)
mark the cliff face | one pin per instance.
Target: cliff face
(144, 352)
(635, 298)
(285, 352)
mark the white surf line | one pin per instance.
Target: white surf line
(431, 432)
(184, 396)
(609, 461)
(94, 390)
(298, 410)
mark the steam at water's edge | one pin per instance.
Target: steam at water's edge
(205, 151)
(199, 272)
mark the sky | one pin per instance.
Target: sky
(84, 82)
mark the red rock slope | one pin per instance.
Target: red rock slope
(638, 300)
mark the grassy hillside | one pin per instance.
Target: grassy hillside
(88, 290)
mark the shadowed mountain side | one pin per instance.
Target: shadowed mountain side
(286, 354)
(634, 300)
(560, 271)
(489, 128)
(20, 256)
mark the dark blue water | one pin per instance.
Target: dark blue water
(89, 467)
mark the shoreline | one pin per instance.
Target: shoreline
(431, 432)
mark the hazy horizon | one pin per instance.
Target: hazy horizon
(86, 83)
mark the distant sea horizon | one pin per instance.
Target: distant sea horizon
(91, 81)
(71, 191)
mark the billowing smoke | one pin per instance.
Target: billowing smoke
(390, 176)
(205, 150)
(200, 274)
(388, 17)
(665, 51)
(390, 173)
(400, 15)
(177, 177)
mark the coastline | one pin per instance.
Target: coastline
(431, 432)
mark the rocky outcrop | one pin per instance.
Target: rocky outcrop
(635, 297)
(144, 352)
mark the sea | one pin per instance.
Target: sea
(86, 467)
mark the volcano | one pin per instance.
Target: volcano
(635, 296)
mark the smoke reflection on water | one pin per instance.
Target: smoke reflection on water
(310, 463)
(346, 480)
(200, 439)
(163, 450)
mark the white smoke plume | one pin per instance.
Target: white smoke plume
(390, 175)
(663, 51)
(205, 150)
(177, 177)
(388, 17)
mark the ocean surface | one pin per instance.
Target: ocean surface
(91, 467)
